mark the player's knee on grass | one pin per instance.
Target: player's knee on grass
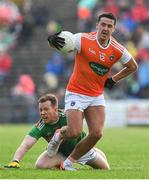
(99, 163)
(40, 165)
(37, 165)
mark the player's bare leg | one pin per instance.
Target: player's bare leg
(95, 117)
(101, 153)
(74, 124)
(46, 162)
(100, 162)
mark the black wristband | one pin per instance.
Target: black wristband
(109, 83)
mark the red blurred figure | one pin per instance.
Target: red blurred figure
(111, 6)
(139, 11)
(25, 86)
(5, 64)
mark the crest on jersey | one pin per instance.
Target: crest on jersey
(111, 57)
(73, 103)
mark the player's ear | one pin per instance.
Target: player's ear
(113, 29)
(56, 108)
(97, 26)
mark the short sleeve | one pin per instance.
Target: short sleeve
(35, 133)
(78, 41)
(125, 57)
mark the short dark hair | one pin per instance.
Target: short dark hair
(107, 15)
(49, 97)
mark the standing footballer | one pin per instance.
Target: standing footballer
(96, 53)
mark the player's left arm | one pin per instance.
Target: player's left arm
(129, 68)
(26, 144)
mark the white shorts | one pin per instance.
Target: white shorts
(88, 157)
(81, 102)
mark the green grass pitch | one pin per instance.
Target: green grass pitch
(127, 150)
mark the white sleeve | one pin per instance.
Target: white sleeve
(78, 41)
(125, 57)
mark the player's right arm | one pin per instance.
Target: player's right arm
(26, 144)
(55, 41)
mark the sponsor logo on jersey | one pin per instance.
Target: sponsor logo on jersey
(98, 68)
(111, 57)
(92, 51)
(73, 103)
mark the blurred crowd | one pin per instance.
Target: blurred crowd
(18, 19)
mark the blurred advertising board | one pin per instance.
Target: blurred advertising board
(121, 113)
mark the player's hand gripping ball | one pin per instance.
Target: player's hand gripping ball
(70, 42)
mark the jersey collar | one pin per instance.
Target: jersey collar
(100, 44)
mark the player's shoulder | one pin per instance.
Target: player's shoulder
(116, 44)
(115, 41)
(90, 35)
(39, 124)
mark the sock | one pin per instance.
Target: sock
(69, 161)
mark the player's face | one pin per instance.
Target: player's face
(48, 112)
(105, 27)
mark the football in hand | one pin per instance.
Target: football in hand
(70, 42)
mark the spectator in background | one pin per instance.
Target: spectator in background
(53, 27)
(40, 13)
(10, 23)
(28, 21)
(143, 73)
(18, 2)
(9, 12)
(144, 39)
(5, 64)
(7, 39)
(126, 25)
(124, 6)
(137, 35)
(24, 99)
(111, 6)
(84, 13)
(139, 11)
(54, 70)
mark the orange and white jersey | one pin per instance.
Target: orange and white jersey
(93, 63)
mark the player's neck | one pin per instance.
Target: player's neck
(103, 43)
